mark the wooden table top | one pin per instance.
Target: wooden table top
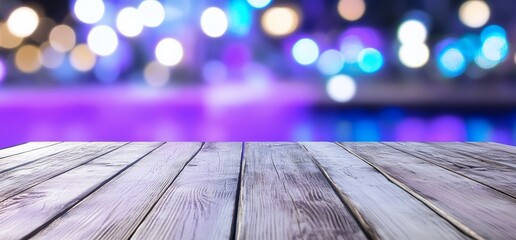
(257, 190)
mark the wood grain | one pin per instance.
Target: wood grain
(494, 153)
(23, 214)
(200, 203)
(12, 162)
(116, 209)
(466, 160)
(22, 148)
(26, 176)
(285, 196)
(392, 212)
(468, 204)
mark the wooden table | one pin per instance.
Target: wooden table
(315, 190)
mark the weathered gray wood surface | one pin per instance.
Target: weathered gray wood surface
(200, 204)
(116, 209)
(284, 196)
(22, 148)
(474, 207)
(392, 212)
(318, 190)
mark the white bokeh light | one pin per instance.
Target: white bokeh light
(330, 62)
(89, 11)
(22, 22)
(474, 13)
(341, 88)
(152, 13)
(102, 40)
(169, 52)
(214, 22)
(129, 22)
(305, 51)
(412, 31)
(259, 3)
(414, 55)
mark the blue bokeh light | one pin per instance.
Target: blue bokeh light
(370, 60)
(305, 51)
(451, 62)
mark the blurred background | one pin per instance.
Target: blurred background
(231, 70)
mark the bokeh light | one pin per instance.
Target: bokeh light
(102, 40)
(156, 75)
(62, 38)
(89, 11)
(214, 22)
(51, 58)
(169, 52)
(351, 10)
(330, 62)
(82, 58)
(280, 21)
(305, 51)
(474, 13)
(214, 71)
(28, 59)
(259, 3)
(151, 13)
(128, 22)
(370, 60)
(7, 39)
(412, 31)
(23, 21)
(451, 62)
(341, 88)
(414, 55)
(495, 48)
(3, 70)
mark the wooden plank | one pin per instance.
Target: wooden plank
(474, 208)
(116, 209)
(12, 162)
(392, 212)
(24, 177)
(283, 195)
(495, 146)
(200, 203)
(22, 148)
(466, 160)
(499, 153)
(25, 213)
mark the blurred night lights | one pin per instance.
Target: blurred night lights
(129, 22)
(214, 22)
(89, 11)
(62, 38)
(151, 13)
(474, 13)
(414, 55)
(23, 21)
(51, 58)
(102, 40)
(305, 51)
(82, 58)
(280, 21)
(169, 52)
(412, 31)
(330, 62)
(7, 39)
(259, 3)
(28, 59)
(351, 10)
(3, 70)
(370, 60)
(341, 88)
(156, 75)
(451, 62)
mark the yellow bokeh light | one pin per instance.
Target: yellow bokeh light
(351, 10)
(62, 38)
(28, 59)
(474, 13)
(82, 58)
(280, 21)
(23, 21)
(7, 39)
